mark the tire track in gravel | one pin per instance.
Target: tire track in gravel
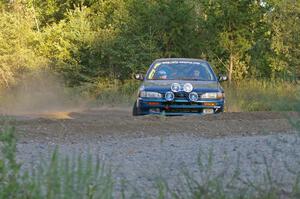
(93, 124)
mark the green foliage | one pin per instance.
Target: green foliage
(229, 30)
(88, 40)
(63, 42)
(9, 168)
(172, 26)
(18, 43)
(285, 39)
(53, 11)
(75, 177)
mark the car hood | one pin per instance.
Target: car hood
(165, 85)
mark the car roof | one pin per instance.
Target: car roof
(179, 59)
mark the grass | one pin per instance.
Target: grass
(263, 95)
(248, 95)
(114, 93)
(74, 177)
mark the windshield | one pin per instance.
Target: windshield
(181, 70)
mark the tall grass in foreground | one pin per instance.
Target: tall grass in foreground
(59, 178)
(82, 178)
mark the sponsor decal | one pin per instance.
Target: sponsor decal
(180, 62)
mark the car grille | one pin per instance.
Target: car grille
(181, 95)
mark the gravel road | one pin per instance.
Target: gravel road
(140, 149)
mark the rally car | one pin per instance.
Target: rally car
(177, 86)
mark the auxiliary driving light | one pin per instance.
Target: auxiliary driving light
(193, 96)
(175, 87)
(169, 96)
(187, 87)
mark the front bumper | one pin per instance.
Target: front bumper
(179, 106)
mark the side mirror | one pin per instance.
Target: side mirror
(222, 78)
(139, 77)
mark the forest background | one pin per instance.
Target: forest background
(94, 45)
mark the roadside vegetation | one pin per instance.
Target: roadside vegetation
(93, 47)
(57, 50)
(262, 95)
(57, 178)
(247, 95)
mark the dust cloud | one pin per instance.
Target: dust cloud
(42, 93)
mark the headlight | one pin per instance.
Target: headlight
(217, 95)
(188, 87)
(175, 87)
(149, 94)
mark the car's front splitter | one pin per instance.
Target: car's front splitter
(179, 107)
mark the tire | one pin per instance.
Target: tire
(135, 110)
(220, 110)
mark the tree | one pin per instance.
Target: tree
(18, 41)
(82, 46)
(53, 11)
(284, 20)
(159, 28)
(227, 30)
(62, 44)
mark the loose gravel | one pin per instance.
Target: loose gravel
(141, 161)
(144, 149)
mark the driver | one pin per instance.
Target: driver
(196, 74)
(162, 74)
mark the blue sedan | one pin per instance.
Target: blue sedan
(177, 86)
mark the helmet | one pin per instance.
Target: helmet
(162, 73)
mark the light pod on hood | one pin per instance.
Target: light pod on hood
(188, 87)
(175, 87)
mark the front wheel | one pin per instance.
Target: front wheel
(221, 110)
(136, 110)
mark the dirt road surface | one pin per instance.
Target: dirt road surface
(93, 124)
(141, 148)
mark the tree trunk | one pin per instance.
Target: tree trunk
(5, 80)
(230, 68)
